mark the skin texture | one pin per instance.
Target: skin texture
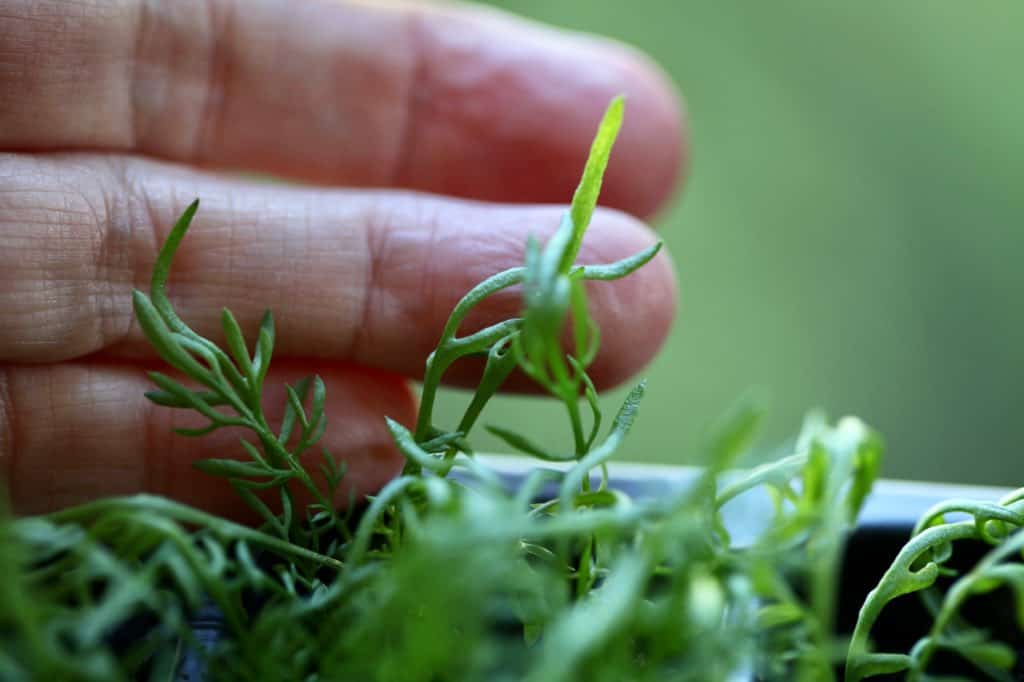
(429, 140)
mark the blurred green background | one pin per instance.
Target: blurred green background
(850, 234)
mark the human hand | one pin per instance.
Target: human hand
(115, 114)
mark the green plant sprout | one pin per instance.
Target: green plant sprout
(917, 569)
(447, 573)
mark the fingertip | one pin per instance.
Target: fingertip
(650, 158)
(477, 240)
(519, 103)
(635, 314)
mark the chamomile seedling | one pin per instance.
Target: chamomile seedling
(442, 577)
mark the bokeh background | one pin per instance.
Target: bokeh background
(851, 233)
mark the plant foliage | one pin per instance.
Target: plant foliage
(447, 573)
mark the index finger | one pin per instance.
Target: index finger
(445, 98)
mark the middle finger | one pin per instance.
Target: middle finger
(366, 276)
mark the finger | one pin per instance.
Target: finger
(445, 98)
(369, 277)
(79, 431)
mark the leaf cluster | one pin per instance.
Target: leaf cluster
(231, 395)
(925, 568)
(449, 572)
